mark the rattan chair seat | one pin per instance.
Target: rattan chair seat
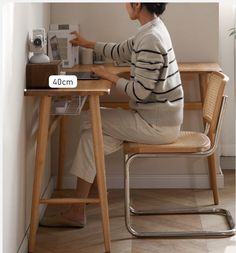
(187, 142)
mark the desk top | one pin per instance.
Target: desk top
(85, 87)
(183, 67)
(102, 87)
(199, 67)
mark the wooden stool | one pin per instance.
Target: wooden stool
(44, 131)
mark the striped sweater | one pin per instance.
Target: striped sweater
(154, 88)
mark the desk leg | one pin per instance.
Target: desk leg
(100, 166)
(42, 138)
(61, 158)
(203, 85)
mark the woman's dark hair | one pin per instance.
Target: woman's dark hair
(157, 8)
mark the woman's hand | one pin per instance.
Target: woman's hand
(80, 41)
(102, 72)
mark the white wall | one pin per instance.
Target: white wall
(18, 142)
(1, 146)
(227, 51)
(194, 31)
(194, 28)
(108, 22)
(195, 39)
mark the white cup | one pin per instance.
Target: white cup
(86, 55)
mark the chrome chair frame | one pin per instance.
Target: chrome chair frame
(179, 234)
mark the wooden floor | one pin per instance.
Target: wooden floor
(90, 239)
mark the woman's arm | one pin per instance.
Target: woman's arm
(100, 70)
(115, 51)
(80, 41)
(111, 50)
(147, 68)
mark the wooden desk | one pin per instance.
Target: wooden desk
(92, 89)
(187, 72)
(202, 70)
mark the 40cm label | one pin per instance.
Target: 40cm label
(62, 81)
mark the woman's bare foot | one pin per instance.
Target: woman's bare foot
(75, 213)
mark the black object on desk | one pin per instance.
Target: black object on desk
(84, 75)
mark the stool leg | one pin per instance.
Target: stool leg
(100, 166)
(39, 168)
(61, 158)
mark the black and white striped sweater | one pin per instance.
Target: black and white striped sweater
(154, 88)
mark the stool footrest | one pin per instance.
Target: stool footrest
(64, 201)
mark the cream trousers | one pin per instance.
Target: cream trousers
(118, 125)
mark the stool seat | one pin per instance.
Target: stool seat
(187, 142)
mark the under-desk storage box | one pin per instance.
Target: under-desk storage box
(67, 105)
(37, 74)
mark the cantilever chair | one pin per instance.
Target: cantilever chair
(188, 144)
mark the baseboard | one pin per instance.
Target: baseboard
(155, 181)
(227, 162)
(23, 248)
(165, 181)
(227, 149)
(47, 194)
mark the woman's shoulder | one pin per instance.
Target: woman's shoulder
(154, 36)
(148, 39)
